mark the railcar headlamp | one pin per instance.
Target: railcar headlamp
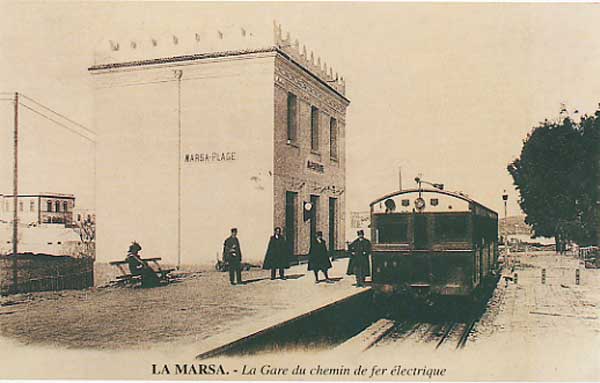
(420, 203)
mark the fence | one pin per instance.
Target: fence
(28, 273)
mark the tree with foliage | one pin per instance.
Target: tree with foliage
(558, 176)
(87, 233)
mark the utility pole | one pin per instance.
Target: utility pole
(178, 75)
(400, 178)
(15, 235)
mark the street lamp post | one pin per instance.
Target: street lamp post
(505, 199)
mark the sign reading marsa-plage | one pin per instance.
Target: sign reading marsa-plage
(210, 157)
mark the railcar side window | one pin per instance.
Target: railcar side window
(392, 229)
(451, 228)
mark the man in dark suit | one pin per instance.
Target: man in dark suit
(232, 256)
(278, 255)
(360, 251)
(318, 257)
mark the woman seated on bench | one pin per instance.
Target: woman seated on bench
(137, 266)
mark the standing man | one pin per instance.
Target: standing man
(360, 250)
(318, 257)
(277, 256)
(232, 256)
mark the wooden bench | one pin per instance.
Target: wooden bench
(128, 278)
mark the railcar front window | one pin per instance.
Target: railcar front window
(392, 229)
(451, 228)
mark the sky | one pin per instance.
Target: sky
(448, 91)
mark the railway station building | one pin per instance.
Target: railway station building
(221, 128)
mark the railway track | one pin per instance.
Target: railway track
(370, 331)
(444, 335)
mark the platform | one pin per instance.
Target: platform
(202, 312)
(291, 300)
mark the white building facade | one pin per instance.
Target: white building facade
(240, 133)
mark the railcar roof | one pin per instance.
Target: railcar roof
(445, 192)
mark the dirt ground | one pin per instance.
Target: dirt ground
(200, 306)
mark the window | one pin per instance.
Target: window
(449, 228)
(392, 229)
(314, 128)
(333, 139)
(31, 205)
(57, 206)
(65, 206)
(78, 217)
(292, 113)
(21, 206)
(49, 206)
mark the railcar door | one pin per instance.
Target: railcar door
(420, 237)
(421, 260)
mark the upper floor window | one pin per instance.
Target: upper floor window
(65, 206)
(49, 206)
(333, 138)
(292, 117)
(314, 128)
(21, 206)
(31, 205)
(57, 206)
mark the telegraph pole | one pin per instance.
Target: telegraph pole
(15, 192)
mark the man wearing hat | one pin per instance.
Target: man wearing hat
(318, 257)
(359, 264)
(137, 266)
(278, 255)
(232, 256)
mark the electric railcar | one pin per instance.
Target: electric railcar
(432, 243)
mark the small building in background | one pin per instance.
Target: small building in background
(41, 208)
(83, 215)
(52, 254)
(359, 220)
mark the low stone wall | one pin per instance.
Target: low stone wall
(40, 272)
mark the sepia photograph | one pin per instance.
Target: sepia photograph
(326, 191)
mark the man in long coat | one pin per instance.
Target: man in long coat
(278, 255)
(318, 257)
(359, 264)
(232, 256)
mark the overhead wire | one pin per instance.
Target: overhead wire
(58, 123)
(58, 114)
